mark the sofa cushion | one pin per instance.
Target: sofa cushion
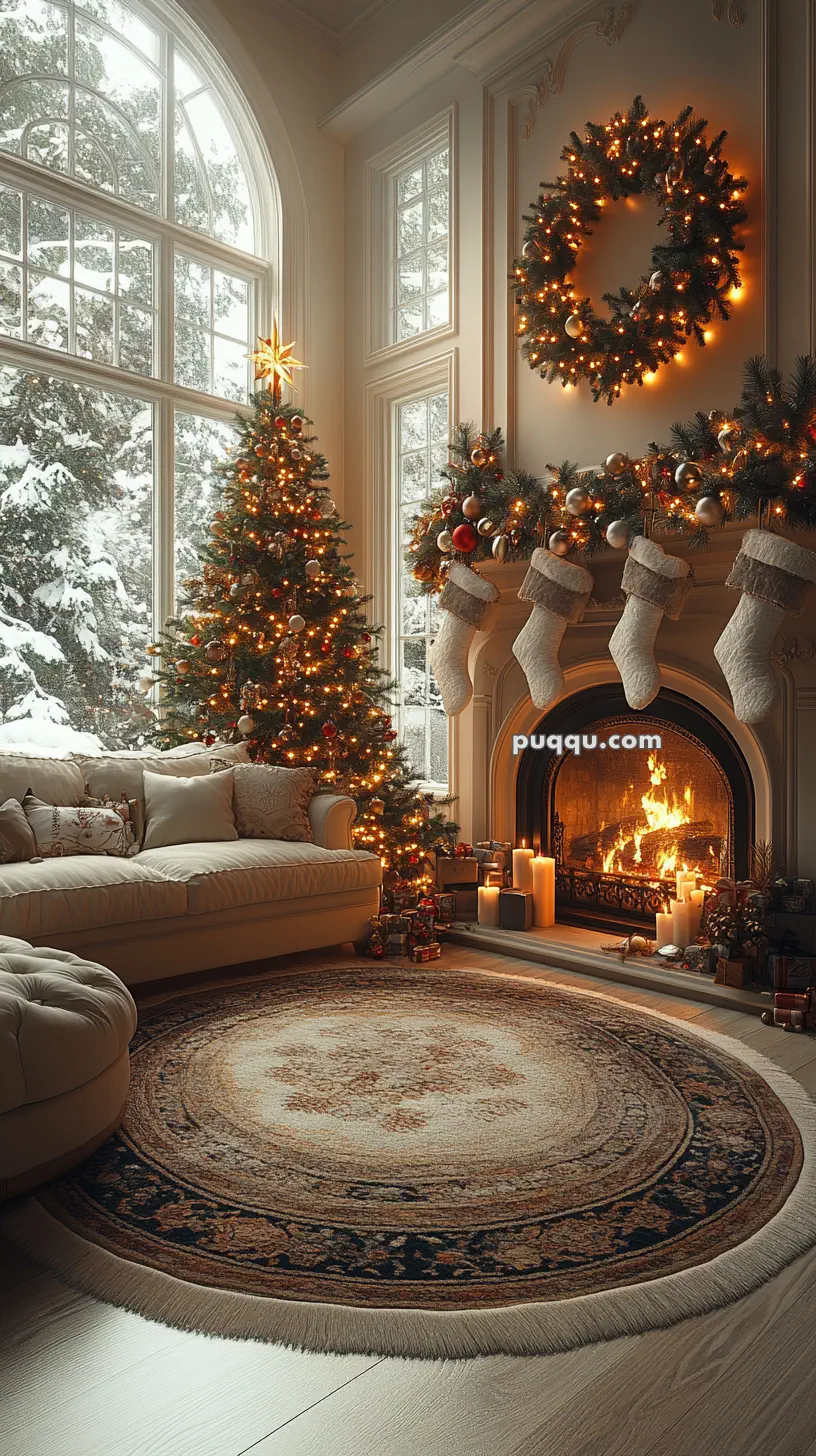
(60, 831)
(120, 776)
(55, 780)
(250, 871)
(82, 892)
(270, 802)
(17, 842)
(63, 1020)
(188, 810)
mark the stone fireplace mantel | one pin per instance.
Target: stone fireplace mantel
(780, 752)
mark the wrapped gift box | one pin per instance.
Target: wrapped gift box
(733, 973)
(515, 910)
(792, 973)
(453, 873)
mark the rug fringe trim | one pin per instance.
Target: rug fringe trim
(545, 1328)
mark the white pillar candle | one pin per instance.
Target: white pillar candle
(664, 931)
(686, 881)
(489, 904)
(543, 891)
(681, 922)
(696, 897)
(523, 870)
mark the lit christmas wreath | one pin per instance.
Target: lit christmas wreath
(694, 275)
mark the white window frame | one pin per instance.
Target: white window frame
(382, 172)
(383, 547)
(261, 270)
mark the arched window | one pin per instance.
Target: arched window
(138, 247)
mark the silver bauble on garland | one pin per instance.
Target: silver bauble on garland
(573, 326)
(617, 534)
(245, 724)
(485, 526)
(444, 541)
(559, 543)
(577, 500)
(501, 546)
(688, 474)
(471, 507)
(709, 511)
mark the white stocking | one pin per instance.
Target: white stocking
(559, 591)
(774, 576)
(655, 584)
(465, 602)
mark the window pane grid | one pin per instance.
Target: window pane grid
(55, 276)
(421, 260)
(421, 428)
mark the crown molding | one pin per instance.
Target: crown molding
(328, 36)
(488, 33)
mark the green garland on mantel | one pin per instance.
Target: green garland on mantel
(757, 460)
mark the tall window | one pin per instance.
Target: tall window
(421, 245)
(421, 428)
(133, 279)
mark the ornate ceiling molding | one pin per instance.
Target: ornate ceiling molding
(612, 25)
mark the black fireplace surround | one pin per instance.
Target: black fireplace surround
(608, 901)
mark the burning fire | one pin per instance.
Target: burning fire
(663, 809)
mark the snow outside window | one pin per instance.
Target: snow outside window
(422, 431)
(134, 212)
(421, 246)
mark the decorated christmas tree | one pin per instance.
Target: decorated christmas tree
(272, 643)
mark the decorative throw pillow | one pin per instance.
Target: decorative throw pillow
(271, 802)
(74, 830)
(188, 811)
(17, 842)
(129, 810)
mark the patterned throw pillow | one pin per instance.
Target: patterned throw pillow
(271, 802)
(64, 831)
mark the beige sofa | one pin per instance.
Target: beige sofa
(190, 907)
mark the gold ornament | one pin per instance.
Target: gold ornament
(478, 457)
(573, 326)
(485, 526)
(471, 507)
(615, 464)
(274, 362)
(501, 546)
(688, 474)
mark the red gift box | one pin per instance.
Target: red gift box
(793, 973)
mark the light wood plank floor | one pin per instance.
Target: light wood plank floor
(80, 1378)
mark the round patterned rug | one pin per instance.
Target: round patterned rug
(422, 1161)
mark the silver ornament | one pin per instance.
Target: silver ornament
(485, 526)
(471, 507)
(559, 543)
(574, 326)
(709, 511)
(245, 724)
(501, 546)
(674, 172)
(727, 438)
(296, 623)
(529, 249)
(615, 464)
(688, 474)
(312, 569)
(444, 541)
(656, 281)
(327, 506)
(617, 534)
(577, 500)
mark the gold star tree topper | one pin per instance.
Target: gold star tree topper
(274, 362)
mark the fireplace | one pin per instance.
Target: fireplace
(670, 790)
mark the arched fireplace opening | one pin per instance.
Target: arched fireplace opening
(621, 821)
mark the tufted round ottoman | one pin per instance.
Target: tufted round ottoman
(65, 1024)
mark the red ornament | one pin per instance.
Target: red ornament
(277, 591)
(447, 505)
(366, 636)
(195, 641)
(296, 423)
(390, 736)
(280, 422)
(465, 538)
(811, 429)
(329, 730)
(209, 739)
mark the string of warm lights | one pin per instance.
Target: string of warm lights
(693, 278)
(756, 461)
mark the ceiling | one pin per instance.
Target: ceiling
(334, 20)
